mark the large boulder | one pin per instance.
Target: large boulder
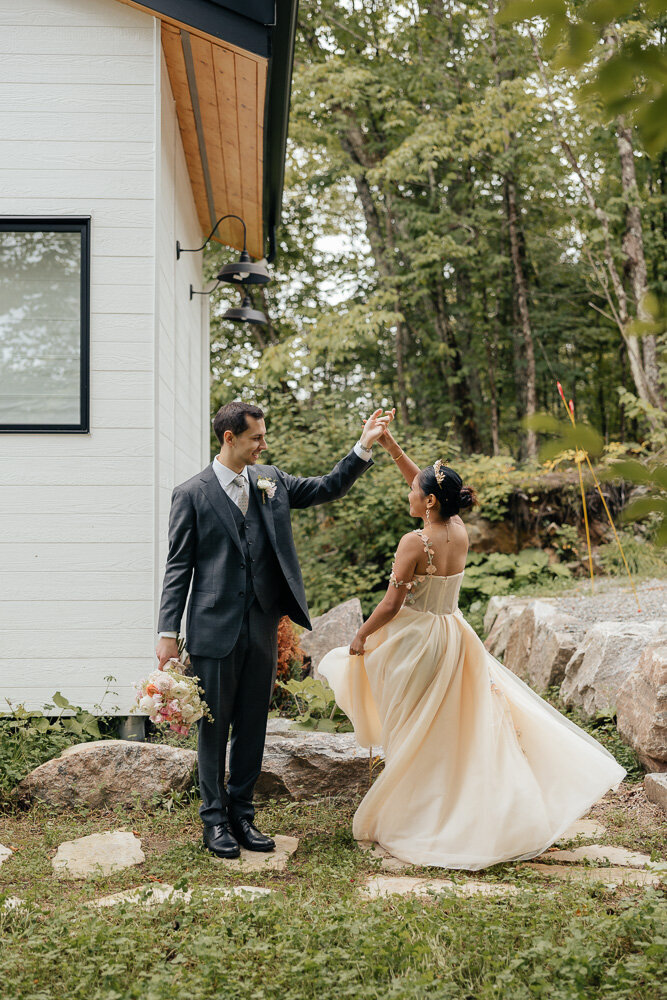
(541, 641)
(609, 653)
(305, 765)
(107, 773)
(655, 786)
(335, 628)
(642, 707)
(501, 614)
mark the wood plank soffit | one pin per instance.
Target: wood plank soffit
(220, 95)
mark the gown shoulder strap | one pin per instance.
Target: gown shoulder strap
(428, 549)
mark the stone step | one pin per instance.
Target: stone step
(97, 854)
(610, 877)
(378, 886)
(155, 894)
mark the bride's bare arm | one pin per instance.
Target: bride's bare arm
(406, 466)
(403, 570)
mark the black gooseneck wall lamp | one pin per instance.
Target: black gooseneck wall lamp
(245, 313)
(242, 273)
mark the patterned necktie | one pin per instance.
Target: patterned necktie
(241, 494)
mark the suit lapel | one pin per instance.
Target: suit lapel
(219, 501)
(264, 505)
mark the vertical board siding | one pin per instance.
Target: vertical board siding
(78, 114)
(182, 431)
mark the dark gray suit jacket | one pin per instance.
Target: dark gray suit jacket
(205, 548)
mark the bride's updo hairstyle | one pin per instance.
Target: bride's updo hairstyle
(448, 489)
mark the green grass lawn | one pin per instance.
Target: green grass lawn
(316, 937)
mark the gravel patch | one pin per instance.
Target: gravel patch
(613, 600)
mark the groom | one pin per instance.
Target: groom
(230, 535)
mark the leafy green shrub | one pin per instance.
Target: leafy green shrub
(498, 573)
(643, 558)
(316, 706)
(29, 738)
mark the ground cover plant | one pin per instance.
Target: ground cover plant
(315, 936)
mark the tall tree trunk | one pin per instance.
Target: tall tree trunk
(464, 413)
(352, 143)
(607, 275)
(633, 249)
(520, 288)
(524, 315)
(491, 348)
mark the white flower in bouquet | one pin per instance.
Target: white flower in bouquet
(164, 682)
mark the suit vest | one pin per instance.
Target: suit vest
(264, 577)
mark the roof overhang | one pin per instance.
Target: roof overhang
(230, 69)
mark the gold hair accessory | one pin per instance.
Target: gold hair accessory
(439, 472)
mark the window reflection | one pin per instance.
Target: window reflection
(40, 327)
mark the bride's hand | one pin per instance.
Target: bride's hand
(374, 427)
(375, 422)
(357, 646)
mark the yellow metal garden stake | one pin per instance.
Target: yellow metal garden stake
(578, 459)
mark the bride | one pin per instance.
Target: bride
(478, 768)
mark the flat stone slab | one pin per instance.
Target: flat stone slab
(387, 860)
(379, 886)
(610, 877)
(98, 854)
(583, 828)
(655, 786)
(255, 861)
(5, 852)
(154, 895)
(615, 855)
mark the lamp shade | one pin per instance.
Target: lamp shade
(245, 313)
(244, 271)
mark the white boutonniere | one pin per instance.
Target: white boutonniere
(267, 486)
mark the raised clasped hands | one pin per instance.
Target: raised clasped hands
(375, 427)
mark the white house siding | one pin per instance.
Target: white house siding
(182, 346)
(79, 514)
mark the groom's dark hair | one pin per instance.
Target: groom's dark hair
(232, 417)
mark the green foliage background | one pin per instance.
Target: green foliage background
(414, 130)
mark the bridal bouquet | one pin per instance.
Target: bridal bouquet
(168, 696)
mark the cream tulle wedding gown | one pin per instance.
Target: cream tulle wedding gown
(478, 768)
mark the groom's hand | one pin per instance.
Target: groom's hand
(165, 650)
(375, 427)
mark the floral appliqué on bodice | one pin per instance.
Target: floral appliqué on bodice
(418, 578)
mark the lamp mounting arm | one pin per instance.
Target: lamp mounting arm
(193, 292)
(180, 249)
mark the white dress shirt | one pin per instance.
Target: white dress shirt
(226, 477)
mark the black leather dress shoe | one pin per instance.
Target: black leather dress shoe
(249, 836)
(221, 842)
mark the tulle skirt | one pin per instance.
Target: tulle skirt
(478, 768)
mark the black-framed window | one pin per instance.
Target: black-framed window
(44, 325)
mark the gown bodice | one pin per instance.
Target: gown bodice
(428, 591)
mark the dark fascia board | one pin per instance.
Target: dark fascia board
(276, 115)
(266, 28)
(245, 23)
